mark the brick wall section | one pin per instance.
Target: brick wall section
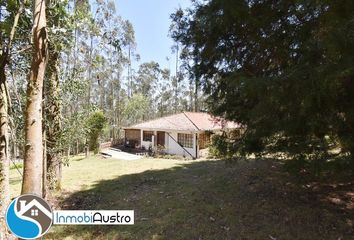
(105, 145)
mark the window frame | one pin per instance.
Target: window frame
(147, 136)
(185, 140)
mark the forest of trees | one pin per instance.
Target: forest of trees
(68, 79)
(282, 68)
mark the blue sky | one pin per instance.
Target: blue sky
(151, 22)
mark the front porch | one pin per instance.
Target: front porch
(184, 143)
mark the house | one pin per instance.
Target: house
(33, 208)
(179, 134)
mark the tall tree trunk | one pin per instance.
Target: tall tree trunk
(118, 107)
(112, 108)
(129, 74)
(4, 128)
(196, 84)
(196, 102)
(177, 81)
(90, 72)
(53, 120)
(44, 179)
(4, 153)
(191, 96)
(77, 147)
(87, 150)
(33, 162)
(102, 95)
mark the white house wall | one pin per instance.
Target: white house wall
(146, 144)
(174, 148)
(171, 146)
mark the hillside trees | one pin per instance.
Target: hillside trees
(101, 67)
(164, 94)
(282, 68)
(85, 58)
(90, 70)
(136, 108)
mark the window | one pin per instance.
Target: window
(147, 136)
(204, 140)
(186, 140)
(34, 212)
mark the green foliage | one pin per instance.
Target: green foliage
(16, 166)
(95, 125)
(136, 108)
(320, 167)
(220, 146)
(75, 129)
(90, 49)
(60, 25)
(286, 74)
(148, 74)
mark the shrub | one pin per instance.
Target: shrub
(220, 146)
(95, 125)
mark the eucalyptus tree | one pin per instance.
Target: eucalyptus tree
(128, 42)
(164, 94)
(146, 78)
(136, 109)
(60, 32)
(100, 56)
(10, 12)
(33, 161)
(77, 60)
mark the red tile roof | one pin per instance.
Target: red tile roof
(187, 121)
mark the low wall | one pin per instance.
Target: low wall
(105, 145)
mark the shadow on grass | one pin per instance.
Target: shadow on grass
(210, 200)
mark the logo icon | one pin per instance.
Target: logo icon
(29, 216)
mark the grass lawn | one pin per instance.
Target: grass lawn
(83, 173)
(177, 199)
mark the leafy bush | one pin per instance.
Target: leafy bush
(95, 125)
(220, 146)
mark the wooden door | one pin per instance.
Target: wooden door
(161, 138)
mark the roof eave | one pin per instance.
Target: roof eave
(159, 129)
